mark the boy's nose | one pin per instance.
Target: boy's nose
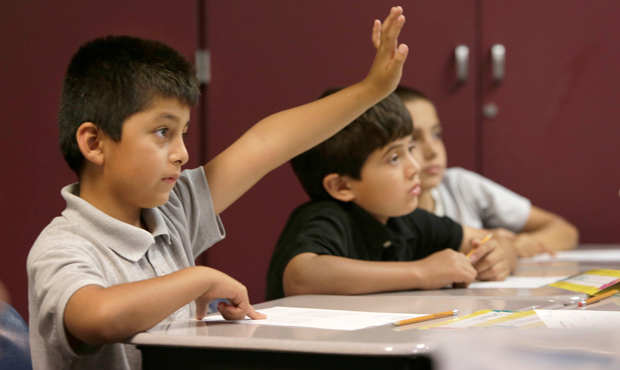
(413, 167)
(428, 150)
(180, 153)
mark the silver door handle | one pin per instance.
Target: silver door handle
(498, 55)
(461, 55)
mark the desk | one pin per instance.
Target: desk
(272, 347)
(194, 344)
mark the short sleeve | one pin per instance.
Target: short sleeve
(57, 274)
(478, 202)
(190, 207)
(306, 231)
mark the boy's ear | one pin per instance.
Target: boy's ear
(338, 187)
(89, 140)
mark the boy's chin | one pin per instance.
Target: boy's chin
(407, 211)
(157, 202)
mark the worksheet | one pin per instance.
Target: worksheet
(517, 282)
(579, 255)
(319, 318)
(580, 319)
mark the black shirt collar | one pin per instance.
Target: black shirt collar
(375, 234)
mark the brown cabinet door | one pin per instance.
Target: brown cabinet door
(555, 136)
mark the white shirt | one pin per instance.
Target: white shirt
(478, 202)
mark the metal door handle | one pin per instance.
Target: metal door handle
(498, 55)
(461, 55)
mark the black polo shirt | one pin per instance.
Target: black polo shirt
(347, 230)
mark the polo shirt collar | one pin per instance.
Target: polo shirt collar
(374, 233)
(128, 241)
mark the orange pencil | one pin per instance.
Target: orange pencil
(426, 318)
(484, 240)
(597, 298)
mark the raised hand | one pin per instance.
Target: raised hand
(387, 67)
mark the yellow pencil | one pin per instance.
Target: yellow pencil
(484, 240)
(597, 298)
(426, 318)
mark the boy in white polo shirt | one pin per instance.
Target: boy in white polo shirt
(120, 259)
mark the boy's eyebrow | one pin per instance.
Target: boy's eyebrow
(170, 117)
(394, 146)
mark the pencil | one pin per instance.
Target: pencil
(597, 298)
(426, 318)
(484, 240)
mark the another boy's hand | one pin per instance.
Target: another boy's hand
(491, 261)
(526, 246)
(445, 267)
(387, 67)
(225, 287)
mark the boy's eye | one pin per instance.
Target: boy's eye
(394, 158)
(162, 132)
(411, 147)
(184, 134)
(437, 135)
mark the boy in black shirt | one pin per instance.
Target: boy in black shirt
(362, 233)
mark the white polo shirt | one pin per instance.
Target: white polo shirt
(475, 201)
(85, 246)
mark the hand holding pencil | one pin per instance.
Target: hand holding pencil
(481, 242)
(490, 259)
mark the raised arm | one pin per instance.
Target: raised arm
(309, 273)
(278, 138)
(98, 315)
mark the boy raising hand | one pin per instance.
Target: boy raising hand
(120, 259)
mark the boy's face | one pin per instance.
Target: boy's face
(141, 169)
(429, 149)
(389, 184)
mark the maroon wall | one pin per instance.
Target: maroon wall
(37, 39)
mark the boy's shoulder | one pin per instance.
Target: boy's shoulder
(341, 214)
(456, 174)
(318, 208)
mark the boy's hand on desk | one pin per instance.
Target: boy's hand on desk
(490, 260)
(387, 67)
(223, 286)
(527, 246)
(445, 267)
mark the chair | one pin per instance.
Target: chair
(14, 340)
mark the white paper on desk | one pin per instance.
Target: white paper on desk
(517, 282)
(586, 255)
(319, 318)
(580, 319)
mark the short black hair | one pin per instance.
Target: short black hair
(407, 94)
(114, 77)
(346, 152)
